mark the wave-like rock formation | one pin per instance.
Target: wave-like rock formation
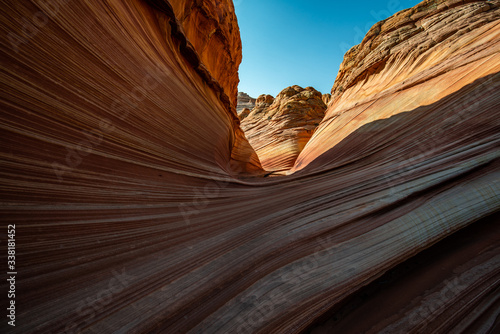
(140, 207)
(412, 59)
(279, 128)
(442, 279)
(245, 102)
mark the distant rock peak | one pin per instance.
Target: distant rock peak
(245, 101)
(279, 128)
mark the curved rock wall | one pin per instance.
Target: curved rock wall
(138, 202)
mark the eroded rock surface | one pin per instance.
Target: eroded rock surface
(279, 128)
(244, 102)
(412, 59)
(140, 206)
(212, 29)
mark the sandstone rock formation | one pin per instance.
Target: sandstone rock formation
(244, 113)
(212, 29)
(412, 59)
(326, 98)
(263, 101)
(278, 129)
(140, 207)
(245, 102)
(215, 59)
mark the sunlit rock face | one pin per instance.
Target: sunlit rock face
(140, 206)
(211, 27)
(278, 129)
(410, 60)
(244, 102)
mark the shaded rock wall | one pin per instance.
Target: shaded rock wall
(207, 37)
(455, 271)
(121, 167)
(278, 129)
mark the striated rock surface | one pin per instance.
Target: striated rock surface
(448, 275)
(140, 207)
(212, 29)
(278, 129)
(244, 102)
(206, 35)
(412, 59)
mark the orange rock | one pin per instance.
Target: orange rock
(278, 129)
(326, 98)
(244, 102)
(211, 27)
(412, 59)
(139, 205)
(244, 113)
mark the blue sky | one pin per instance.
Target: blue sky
(302, 42)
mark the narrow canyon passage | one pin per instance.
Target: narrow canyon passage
(141, 207)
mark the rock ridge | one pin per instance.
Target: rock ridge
(415, 57)
(244, 102)
(396, 36)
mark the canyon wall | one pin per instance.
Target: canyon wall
(207, 37)
(212, 29)
(139, 205)
(410, 60)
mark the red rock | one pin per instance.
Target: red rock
(139, 205)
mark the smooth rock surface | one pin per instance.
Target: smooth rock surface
(140, 206)
(412, 59)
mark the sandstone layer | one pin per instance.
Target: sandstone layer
(140, 207)
(279, 128)
(410, 60)
(448, 274)
(212, 29)
(245, 102)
